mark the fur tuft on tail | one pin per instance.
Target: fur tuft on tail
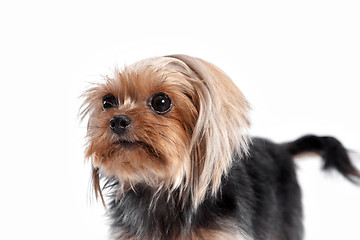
(331, 150)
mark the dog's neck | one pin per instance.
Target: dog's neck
(145, 213)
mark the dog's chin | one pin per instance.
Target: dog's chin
(131, 161)
(125, 144)
(138, 147)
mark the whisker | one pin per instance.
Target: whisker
(166, 138)
(95, 127)
(91, 127)
(158, 124)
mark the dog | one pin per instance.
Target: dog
(168, 141)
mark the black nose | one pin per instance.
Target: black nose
(119, 123)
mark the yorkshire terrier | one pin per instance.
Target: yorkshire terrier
(168, 142)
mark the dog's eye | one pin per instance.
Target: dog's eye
(160, 103)
(109, 101)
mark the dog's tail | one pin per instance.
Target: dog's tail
(334, 154)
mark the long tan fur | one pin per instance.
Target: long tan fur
(188, 149)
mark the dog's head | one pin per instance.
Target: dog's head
(170, 122)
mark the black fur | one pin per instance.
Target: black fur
(260, 195)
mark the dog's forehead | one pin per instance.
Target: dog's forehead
(146, 77)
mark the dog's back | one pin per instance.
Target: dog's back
(267, 182)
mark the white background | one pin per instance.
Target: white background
(298, 63)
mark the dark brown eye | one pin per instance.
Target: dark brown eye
(109, 101)
(160, 103)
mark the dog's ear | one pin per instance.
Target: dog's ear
(221, 127)
(96, 185)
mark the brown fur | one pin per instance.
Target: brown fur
(217, 235)
(188, 148)
(206, 234)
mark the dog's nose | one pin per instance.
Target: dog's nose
(119, 123)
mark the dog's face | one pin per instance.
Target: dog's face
(170, 122)
(141, 123)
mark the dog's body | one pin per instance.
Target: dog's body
(176, 166)
(259, 199)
